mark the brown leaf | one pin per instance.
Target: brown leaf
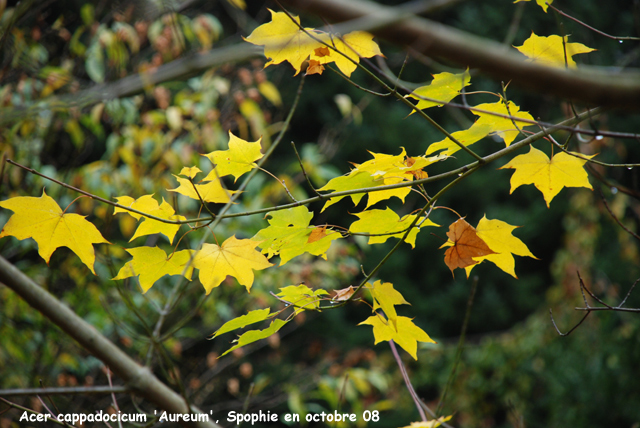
(466, 245)
(417, 174)
(314, 67)
(343, 294)
(317, 234)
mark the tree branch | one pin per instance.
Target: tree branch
(140, 379)
(587, 84)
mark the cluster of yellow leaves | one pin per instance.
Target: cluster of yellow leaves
(284, 39)
(382, 170)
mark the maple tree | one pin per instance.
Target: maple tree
(214, 192)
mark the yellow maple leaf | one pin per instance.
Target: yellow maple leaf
(283, 40)
(549, 176)
(43, 220)
(550, 50)
(211, 191)
(444, 87)
(147, 204)
(386, 221)
(355, 45)
(544, 4)
(237, 160)
(497, 235)
(152, 263)
(190, 171)
(386, 297)
(407, 335)
(235, 257)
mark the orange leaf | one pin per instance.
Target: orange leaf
(465, 244)
(314, 67)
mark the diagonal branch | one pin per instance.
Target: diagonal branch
(587, 84)
(140, 379)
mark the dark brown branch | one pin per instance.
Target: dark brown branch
(587, 84)
(588, 308)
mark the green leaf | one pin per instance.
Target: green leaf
(255, 335)
(289, 235)
(242, 321)
(302, 297)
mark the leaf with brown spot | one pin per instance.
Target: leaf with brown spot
(317, 234)
(465, 245)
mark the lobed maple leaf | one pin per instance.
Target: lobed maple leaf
(553, 51)
(385, 223)
(407, 334)
(43, 220)
(465, 244)
(350, 48)
(149, 226)
(235, 257)
(242, 321)
(152, 263)
(497, 235)
(237, 160)
(284, 40)
(549, 175)
(289, 235)
(301, 297)
(444, 87)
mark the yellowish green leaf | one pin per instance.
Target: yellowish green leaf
(444, 87)
(255, 335)
(288, 235)
(242, 321)
(301, 297)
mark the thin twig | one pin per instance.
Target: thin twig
(602, 33)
